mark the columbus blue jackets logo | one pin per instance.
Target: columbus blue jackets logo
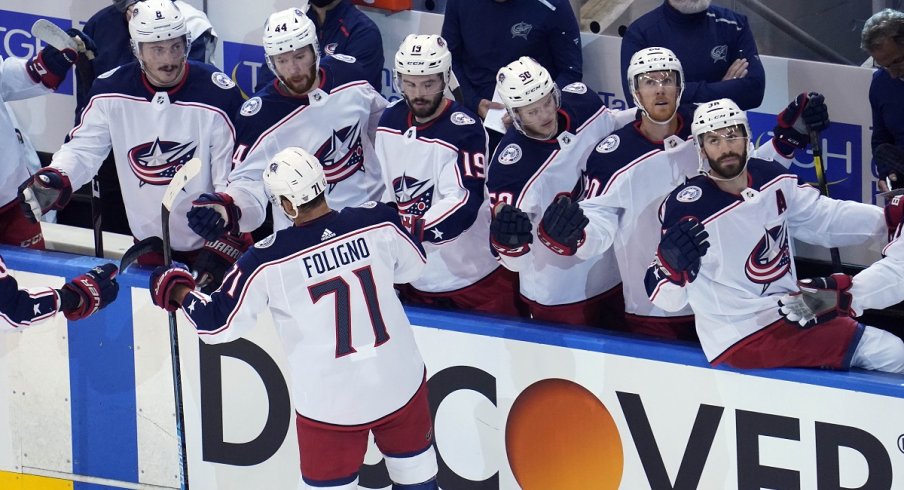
(413, 196)
(521, 29)
(770, 258)
(157, 162)
(342, 154)
(719, 53)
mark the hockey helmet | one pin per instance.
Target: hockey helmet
(424, 55)
(156, 20)
(288, 30)
(718, 114)
(653, 59)
(295, 174)
(523, 82)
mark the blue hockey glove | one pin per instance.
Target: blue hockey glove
(681, 249)
(84, 295)
(562, 226)
(510, 230)
(213, 215)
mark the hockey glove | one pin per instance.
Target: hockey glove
(51, 65)
(44, 191)
(819, 300)
(84, 42)
(894, 213)
(415, 226)
(562, 227)
(510, 230)
(216, 258)
(84, 295)
(806, 113)
(680, 250)
(213, 215)
(164, 281)
(890, 164)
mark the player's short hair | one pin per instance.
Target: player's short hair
(884, 24)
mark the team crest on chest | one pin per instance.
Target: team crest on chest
(609, 144)
(157, 162)
(222, 80)
(689, 194)
(342, 154)
(510, 154)
(461, 119)
(414, 197)
(522, 30)
(719, 53)
(770, 258)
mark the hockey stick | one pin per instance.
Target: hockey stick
(816, 144)
(97, 218)
(180, 180)
(148, 245)
(54, 35)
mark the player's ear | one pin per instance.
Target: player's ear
(287, 206)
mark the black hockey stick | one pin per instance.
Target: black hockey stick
(97, 218)
(816, 144)
(148, 245)
(180, 180)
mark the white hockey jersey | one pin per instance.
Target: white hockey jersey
(15, 84)
(153, 133)
(436, 171)
(530, 173)
(627, 178)
(881, 284)
(335, 122)
(749, 264)
(329, 286)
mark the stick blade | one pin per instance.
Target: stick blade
(188, 171)
(148, 245)
(53, 35)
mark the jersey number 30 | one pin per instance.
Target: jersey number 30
(340, 288)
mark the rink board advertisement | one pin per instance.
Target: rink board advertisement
(516, 405)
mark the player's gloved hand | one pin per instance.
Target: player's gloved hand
(562, 227)
(51, 65)
(890, 164)
(213, 215)
(819, 300)
(894, 214)
(510, 230)
(44, 191)
(808, 112)
(216, 257)
(415, 226)
(84, 295)
(163, 282)
(681, 249)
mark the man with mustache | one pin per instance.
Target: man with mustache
(727, 251)
(325, 107)
(715, 46)
(434, 152)
(631, 171)
(155, 114)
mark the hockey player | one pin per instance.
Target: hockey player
(23, 79)
(155, 114)
(631, 171)
(727, 250)
(433, 152)
(79, 298)
(328, 282)
(325, 107)
(542, 156)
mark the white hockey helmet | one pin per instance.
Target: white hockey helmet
(295, 174)
(423, 55)
(156, 20)
(288, 30)
(653, 59)
(523, 82)
(718, 114)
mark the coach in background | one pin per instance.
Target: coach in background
(715, 46)
(883, 38)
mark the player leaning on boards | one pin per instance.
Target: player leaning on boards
(156, 114)
(328, 283)
(79, 298)
(433, 151)
(23, 79)
(631, 171)
(543, 155)
(727, 250)
(326, 107)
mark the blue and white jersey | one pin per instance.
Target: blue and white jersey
(435, 172)
(529, 173)
(23, 308)
(881, 284)
(15, 84)
(335, 122)
(153, 133)
(328, 285)
(749, 264)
